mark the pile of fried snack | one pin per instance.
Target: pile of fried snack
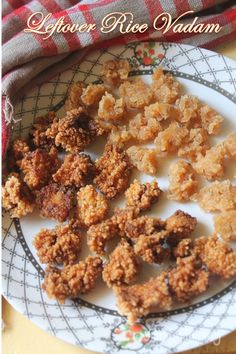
(76, 191)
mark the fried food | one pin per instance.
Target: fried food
(74, 94)
(165, 88)
(143, 225)
(38, 166)
(39, 128)
(230, 146)
(115, 71)
(144, 129)
(184, 248)
(92, 94)
(142, 196)
(111, 109)
(60, 245)
(123, 216)
(183, 183)
(69, 282)
(218, 196)
(55, 202)
(136, 93)
(17, 151)
(161, 111)
(16, 197)
(211, 121)
(151, 248)
(77, 170)
(120, 136)
(138, 300)
(194, 145)
(92, 207)
(113, 171)
(144, 159)
(121, 267)
(189, 109)
(171, 139)
(180, 225)
(225, 225)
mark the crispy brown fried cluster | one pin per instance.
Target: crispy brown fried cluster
(72, 280)
(16, 197)
(77, 170)
(113, 171)
(73, 100)
(98, 235)
(120, 136)
(55, 202)
(195, 144)
(60, 245)
(184, 248)
(144, 159)
(115, 71)
(121, 267)
(111, 109)
(38, 166)
(165, 88)
(92, 94)
(39, 128)
(142, 196)
(17, 151)
(136, 93)
(143, 225)
(144, 129)
(180, 225)
(225, 225)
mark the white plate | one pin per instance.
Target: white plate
(92, 321)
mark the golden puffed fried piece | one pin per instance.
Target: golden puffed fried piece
(136, 93)
(184, 248)
(211, 121)
(138, 300)
(98, 235)
(142, 196)
(143, 225)
(161, 111)
(17, 151)
(120, 136)
(144, 129)
(113, 171)
(165, 88)
(183, 183)
(123, 216)
(16, 197)
(115, 71)
(92, 207)
(151, 247)
(188, 278)
(92, 94)
(218, 196)
(144, 159)
(225, 225)
(171, 139)
(217, 255)
(69, 282)
(76, 170)
(75, 131)
(211, 165)
(60, 245)
(122, 266)
(39, 128)
(189, 109)
(230, 146)
(73, 100)
(111, 109)
(194, 145)
(38, 166)
(55, 202)
(180, 225)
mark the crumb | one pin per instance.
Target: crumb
(55, 202)
(144, 159)
(120, 136)
(225, 225)
(166, 89)
(180, 225)
(183, 183)
(142, 196)
(73, 132)
(187, 279)
(17, 151)
(144, 129)
(92, 94)
(136, 93)
(184, 248)
(77, 170)
(121, 267)
(217, 255)
(210, 119)
(60, 245)
(138, 300)
(218, 196)
(114, 170)
(189, 109)
(211, 165)
(195, 144)
(72, 280)
(111, 109)
(161, 111)
(16, 197)
(143, 225)
(38, 166)
(115, 71)
(230, 146)
(171, 139)
(151, 247)
(100, 234)
(92, 207)
(39, 128)
(73, 100)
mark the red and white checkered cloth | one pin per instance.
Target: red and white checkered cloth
(30, 60)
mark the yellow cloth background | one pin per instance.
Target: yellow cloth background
(20, 336)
